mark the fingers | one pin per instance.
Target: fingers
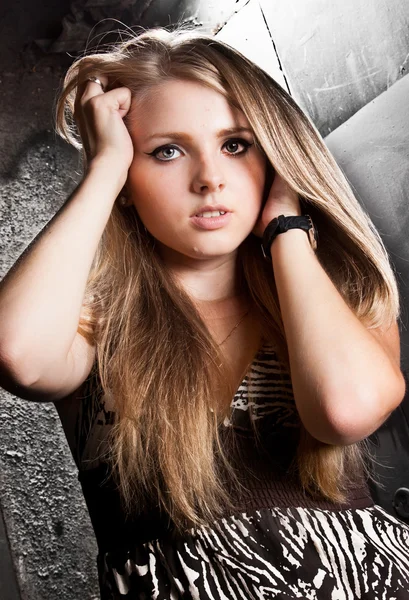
(118, 98)
(92, 88)
(86, 89)
(122, 98)
(99, 118)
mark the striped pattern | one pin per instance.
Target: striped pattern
(266, 391)
(282, 553)
(273, 553)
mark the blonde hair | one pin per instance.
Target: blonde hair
(146, 329)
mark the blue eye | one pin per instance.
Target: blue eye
(168, 153)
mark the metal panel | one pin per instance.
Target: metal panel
(339, 55)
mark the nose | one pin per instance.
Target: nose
(209, 177)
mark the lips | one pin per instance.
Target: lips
(213, 220)
(210, 208)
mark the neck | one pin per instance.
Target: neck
(207, 280)
(222, 308)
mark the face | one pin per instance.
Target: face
(197, 178)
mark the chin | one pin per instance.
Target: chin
(212, 250)
(202, 249)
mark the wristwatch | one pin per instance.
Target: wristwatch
(281, 224)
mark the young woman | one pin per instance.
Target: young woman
(215, 317)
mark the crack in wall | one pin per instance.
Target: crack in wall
(218, 28)
(280, 66)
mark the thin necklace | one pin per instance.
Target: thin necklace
(235, 327)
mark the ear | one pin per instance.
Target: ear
(123, 198)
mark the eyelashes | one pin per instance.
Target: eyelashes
(166, 148)
(238, 142)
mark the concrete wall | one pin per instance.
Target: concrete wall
(50, 536)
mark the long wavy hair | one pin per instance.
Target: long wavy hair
(154, 353)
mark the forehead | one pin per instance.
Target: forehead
(186, 106)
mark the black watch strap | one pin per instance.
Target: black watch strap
(281, 224)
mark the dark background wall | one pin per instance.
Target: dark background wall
(335, 59)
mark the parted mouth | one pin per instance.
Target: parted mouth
(209, 210)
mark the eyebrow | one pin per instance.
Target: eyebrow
(184, 136)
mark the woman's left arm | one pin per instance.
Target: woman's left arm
(346, 378)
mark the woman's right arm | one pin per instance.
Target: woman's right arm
(42, 357)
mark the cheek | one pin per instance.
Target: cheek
(140, 179)
(143, 187)
(141, 193)
(257, 182)
(153, 197)
(145, 181)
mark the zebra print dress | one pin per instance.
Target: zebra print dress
(265, 552)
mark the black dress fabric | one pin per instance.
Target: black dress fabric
(279, 543)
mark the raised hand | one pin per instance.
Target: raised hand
(99, 116)
(282, 200)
